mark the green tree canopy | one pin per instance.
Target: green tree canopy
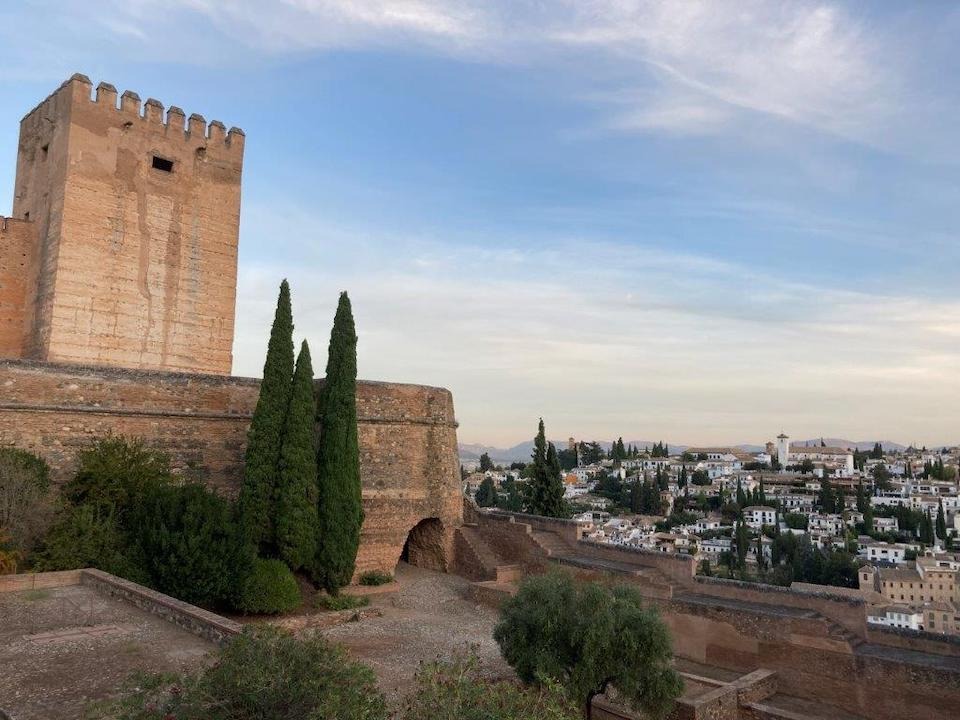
(264, 438)
(543, 493)
(295, 511)
(587, 636)
(340, 509)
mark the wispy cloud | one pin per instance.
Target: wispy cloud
(638, 339)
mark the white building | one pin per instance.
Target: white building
(756, 516)
(898, 616)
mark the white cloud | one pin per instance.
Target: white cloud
(637, 340)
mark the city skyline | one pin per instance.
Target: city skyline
(578, 215)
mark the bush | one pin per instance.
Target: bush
(270, 588)
(456, 690)
(190, 545)
(376, 577)
(587, 636)
(340, 602)
(263, 673)
(88, 536)
(26, 509)
(115, 473)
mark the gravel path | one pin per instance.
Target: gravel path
(426, 618)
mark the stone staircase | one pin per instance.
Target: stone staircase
(493, 579)
(551, 543)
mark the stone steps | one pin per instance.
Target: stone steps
(491, 567)
(550, 543)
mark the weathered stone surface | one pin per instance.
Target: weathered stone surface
(408, 440)
(136, 229)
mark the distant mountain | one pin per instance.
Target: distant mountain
(858, 444)
(522, 451)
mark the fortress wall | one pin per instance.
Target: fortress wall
(408, 447)
(18, 239)
(883, 683)
(846, 611)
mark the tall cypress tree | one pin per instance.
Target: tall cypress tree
(543, 493)
(262, 460)
(340, 508)
(941, 522)
(296, 496)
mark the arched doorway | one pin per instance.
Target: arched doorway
(425, 546)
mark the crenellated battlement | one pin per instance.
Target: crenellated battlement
(134, 211)
(150, 113)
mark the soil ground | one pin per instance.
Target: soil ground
(63, 647)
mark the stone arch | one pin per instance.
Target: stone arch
(426, 545)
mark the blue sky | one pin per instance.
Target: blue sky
(701, 221)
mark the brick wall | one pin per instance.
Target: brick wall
(408, 448)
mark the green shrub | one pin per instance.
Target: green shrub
(587, 636)
(190, 545)
(340, 602)
(115, 473)
(456, 690)
(88, 536)
(270, 588)
(26, 507)
(376, 577)
(265, 673)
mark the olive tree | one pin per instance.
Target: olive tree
(589, 637)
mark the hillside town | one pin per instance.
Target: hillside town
(880, 524)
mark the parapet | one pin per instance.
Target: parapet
(150, 113)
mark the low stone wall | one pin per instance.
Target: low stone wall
(914, 640)
(678, 567)
(205, 624)
(198, 621)
(848, 612)
(39, 581)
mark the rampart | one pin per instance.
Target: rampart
(408, 447)
(817, 642)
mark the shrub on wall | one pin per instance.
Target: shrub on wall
(26, 508)
(88, 536)
(263, 673)
(270, 588)
(115, 472)
(375, 577)
(190, 546)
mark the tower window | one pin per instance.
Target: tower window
(163, 164)
(45, 149)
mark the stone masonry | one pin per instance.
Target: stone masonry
(117, 297)
(408, 439)
(135, 216)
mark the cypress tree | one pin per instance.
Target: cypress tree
(340, 509)
(941, 522)
(296, 498)
(264, 438)
(544, 491)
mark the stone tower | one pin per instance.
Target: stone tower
(132, 221)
